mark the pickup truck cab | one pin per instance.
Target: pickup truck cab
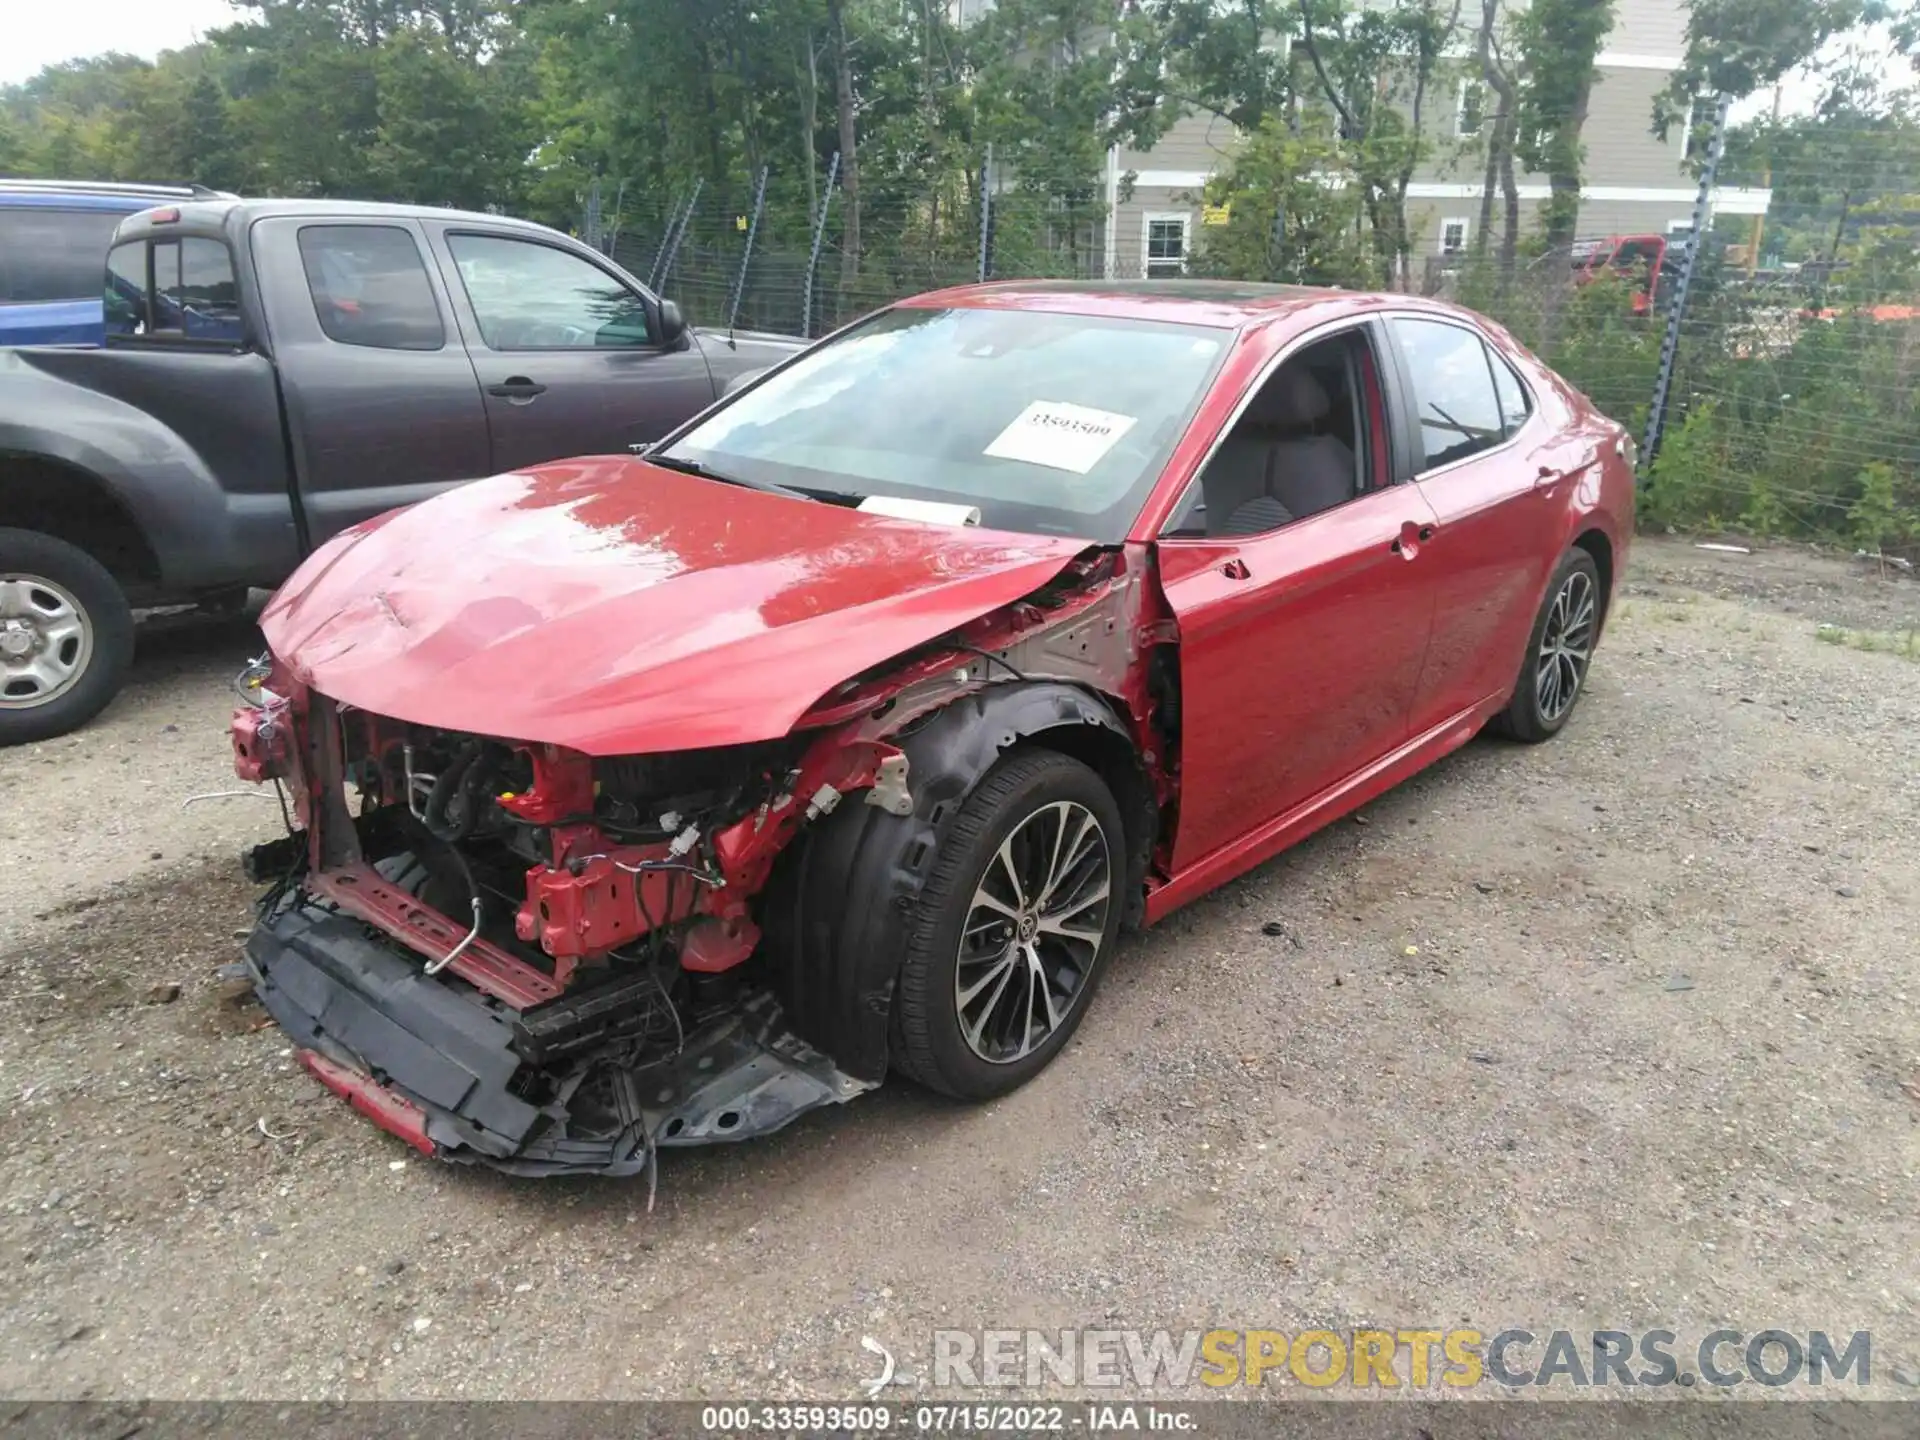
(277, 370)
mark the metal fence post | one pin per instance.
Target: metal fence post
(986, 215)
(746, 257)
(813, 256)
(666, 238)
(673, 250)
(1677, 305)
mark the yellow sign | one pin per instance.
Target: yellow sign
(1215, 214)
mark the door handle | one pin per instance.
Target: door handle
(518, 389)
(1412, 537)
(1236, 570)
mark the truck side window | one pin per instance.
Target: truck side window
(180, 288)
(370, 287)
(529, 296)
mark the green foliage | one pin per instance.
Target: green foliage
(1560, 44)
(1736, 47)
(1295, 212)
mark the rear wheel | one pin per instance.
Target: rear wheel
(1013, 928)
(1554, 675)
(66, 637)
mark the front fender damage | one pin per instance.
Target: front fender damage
(657, 950)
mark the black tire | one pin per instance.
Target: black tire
(928, 1044)
(1530, 716)
(108, 623)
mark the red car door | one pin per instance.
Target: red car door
(1491, 469)
(1300, 644)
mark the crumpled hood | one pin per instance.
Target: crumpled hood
(615, 607)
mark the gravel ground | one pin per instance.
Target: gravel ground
(1620, 1032)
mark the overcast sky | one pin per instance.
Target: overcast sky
(45, 32)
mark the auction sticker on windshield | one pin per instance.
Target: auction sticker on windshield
(1060, 436)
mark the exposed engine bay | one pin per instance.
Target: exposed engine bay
(516, 953)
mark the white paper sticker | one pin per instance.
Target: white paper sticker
(1060, 436)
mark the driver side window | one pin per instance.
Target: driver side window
(529, 296)
(1304, 444)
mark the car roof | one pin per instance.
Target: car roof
(1222, 304)
(244, 212)
(94, 194)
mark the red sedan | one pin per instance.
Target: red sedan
(653, 801)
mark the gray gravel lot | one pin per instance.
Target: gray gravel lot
(1620, 1032)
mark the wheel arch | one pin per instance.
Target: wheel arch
(1597, 543)
(834, 964)
(53, 497)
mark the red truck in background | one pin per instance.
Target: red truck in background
(1640, 258)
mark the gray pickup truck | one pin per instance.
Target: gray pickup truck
(276, 370)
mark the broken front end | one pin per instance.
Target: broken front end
(579, 987)
(516, 953)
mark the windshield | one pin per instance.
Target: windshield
(1057, 424)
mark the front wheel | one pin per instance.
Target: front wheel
(66, 637)
(1013, 928)
(1554, 674)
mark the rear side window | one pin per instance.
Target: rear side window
(48, 255)
(1458, 408)
(173, 289)
(1515, 404)
(370, 287)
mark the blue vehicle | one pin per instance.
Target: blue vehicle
(54, 236)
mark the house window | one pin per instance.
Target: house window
(1166, 245)
(1454, 234)
(1696, 131)
(1470, 111)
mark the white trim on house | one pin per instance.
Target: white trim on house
(1624, 60)
(1184, 218)
(1466, 234)
(1731, 200)
(1170, 179)
(1734, 200)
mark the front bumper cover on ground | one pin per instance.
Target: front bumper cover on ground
(437, 1064)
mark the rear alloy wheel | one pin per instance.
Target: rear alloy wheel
(1015, 924)
(1561, 648)
(66, 637)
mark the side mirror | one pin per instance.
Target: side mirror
(743, 379)
(673, 325)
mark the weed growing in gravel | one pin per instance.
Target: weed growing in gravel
(1905, 644)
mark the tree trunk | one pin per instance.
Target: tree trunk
(849, 140)
(1501, 140)
(1563, 172)
(1510, 195)
(807, 81)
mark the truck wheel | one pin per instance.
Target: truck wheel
(66, 637)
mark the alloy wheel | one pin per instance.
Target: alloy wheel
(46, 641)
(1566, 645)
(1033, 932)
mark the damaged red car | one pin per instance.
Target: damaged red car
(651, 801)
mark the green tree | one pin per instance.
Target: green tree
(1559, 42)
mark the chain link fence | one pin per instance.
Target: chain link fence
(1788, 407)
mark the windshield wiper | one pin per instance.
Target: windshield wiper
(694, 467)
(849, 498)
